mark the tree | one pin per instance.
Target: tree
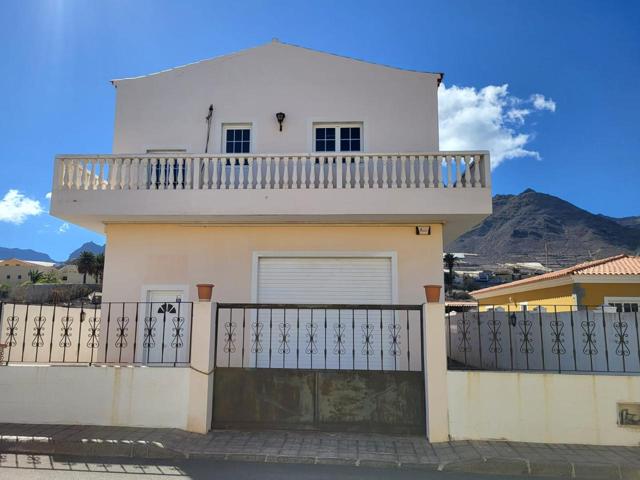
(450, 261)
(35, 276)
(49, 277)
(99, 270)
(86, 264)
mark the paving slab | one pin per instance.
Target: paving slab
(307, 447)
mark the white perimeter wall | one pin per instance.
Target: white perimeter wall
(131, 396)
(531, 407)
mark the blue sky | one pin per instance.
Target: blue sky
(568, 115)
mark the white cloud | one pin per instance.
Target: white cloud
(48, 196)
(63, 228)
(16, 208)
(488, 119)
(542, 103)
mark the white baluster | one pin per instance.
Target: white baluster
(448, 163)
(294, 173)
(312, 171)
(385, 172)
(458, 172)
(276, 173)
(411, 178)
(268, 173)
(476, 172)
(259, 173)
(241, 173)
(356, 164)
(420, 181)
(321, 171)
(188, 171)
(440, 171)
(250, 167)
(403, 165)
(347, 172)
(213, 172)
(331, 161)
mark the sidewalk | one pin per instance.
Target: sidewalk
(570, 461)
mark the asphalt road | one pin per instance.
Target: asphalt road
(37, 467)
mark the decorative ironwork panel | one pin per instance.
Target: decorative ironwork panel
(12, 331)
(464, 335)
(525, 328)
(312, 346)
(338, 338)
(495, 339)
(285, 330)
(122, 330)
(230, 337)
(367, 339)
(557, 337)
(589, 337)
(38, 331)
(177, 332)
(94, 332)
(256, 337)
(621, 338)
(66, 332)
(394, 340)
(149, 340)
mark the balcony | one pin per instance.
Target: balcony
(444, 187)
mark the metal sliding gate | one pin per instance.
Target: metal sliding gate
(322, 367)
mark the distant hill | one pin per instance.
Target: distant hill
(24, 254)
(88, 247)
(534, 226)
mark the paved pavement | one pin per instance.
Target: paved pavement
(47, 467)
(359, 450)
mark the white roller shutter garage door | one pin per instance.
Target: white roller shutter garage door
(298, 338)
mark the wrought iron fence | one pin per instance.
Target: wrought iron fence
(327, 337)
(150, 333)
(547, 338)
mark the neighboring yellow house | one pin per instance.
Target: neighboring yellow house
(14, 271)
(613, 281)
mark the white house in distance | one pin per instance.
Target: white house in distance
(281, 175)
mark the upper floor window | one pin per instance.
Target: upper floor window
(337, 137)
(237, 138)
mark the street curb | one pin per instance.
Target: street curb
(157, 451)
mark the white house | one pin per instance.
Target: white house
(320, 206)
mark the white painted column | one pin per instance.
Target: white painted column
(436, 372)
(202, 363)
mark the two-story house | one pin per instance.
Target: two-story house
(279, 174)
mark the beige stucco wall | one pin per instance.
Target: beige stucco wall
(146, 254)
(531, 407)
(167, 110)
(133, 396)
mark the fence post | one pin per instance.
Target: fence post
(435, 357)
(202, 364)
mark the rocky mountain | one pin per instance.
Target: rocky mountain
(89, 247)
(534, 226)
(24, 254)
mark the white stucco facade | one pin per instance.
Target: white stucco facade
(398, 109)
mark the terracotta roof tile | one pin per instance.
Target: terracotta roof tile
(616, 265)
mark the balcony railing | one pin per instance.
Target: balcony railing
(460, 170)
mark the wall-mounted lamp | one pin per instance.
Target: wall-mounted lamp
(280, 117)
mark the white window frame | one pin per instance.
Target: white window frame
(393, 256)
(622, 300)
(337, 126)
(236, 126)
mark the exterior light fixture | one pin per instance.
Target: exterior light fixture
(280, 117)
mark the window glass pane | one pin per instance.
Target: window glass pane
(355, 145)
(320, 133)
(331, 133)
(245, 135)
(245, 147)
(320, 145)
(344, 145)
(229, 147)
(331, 146)
(229, 135)
(355, 133)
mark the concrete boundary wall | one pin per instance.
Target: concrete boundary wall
(116, 396)
(545, 407)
